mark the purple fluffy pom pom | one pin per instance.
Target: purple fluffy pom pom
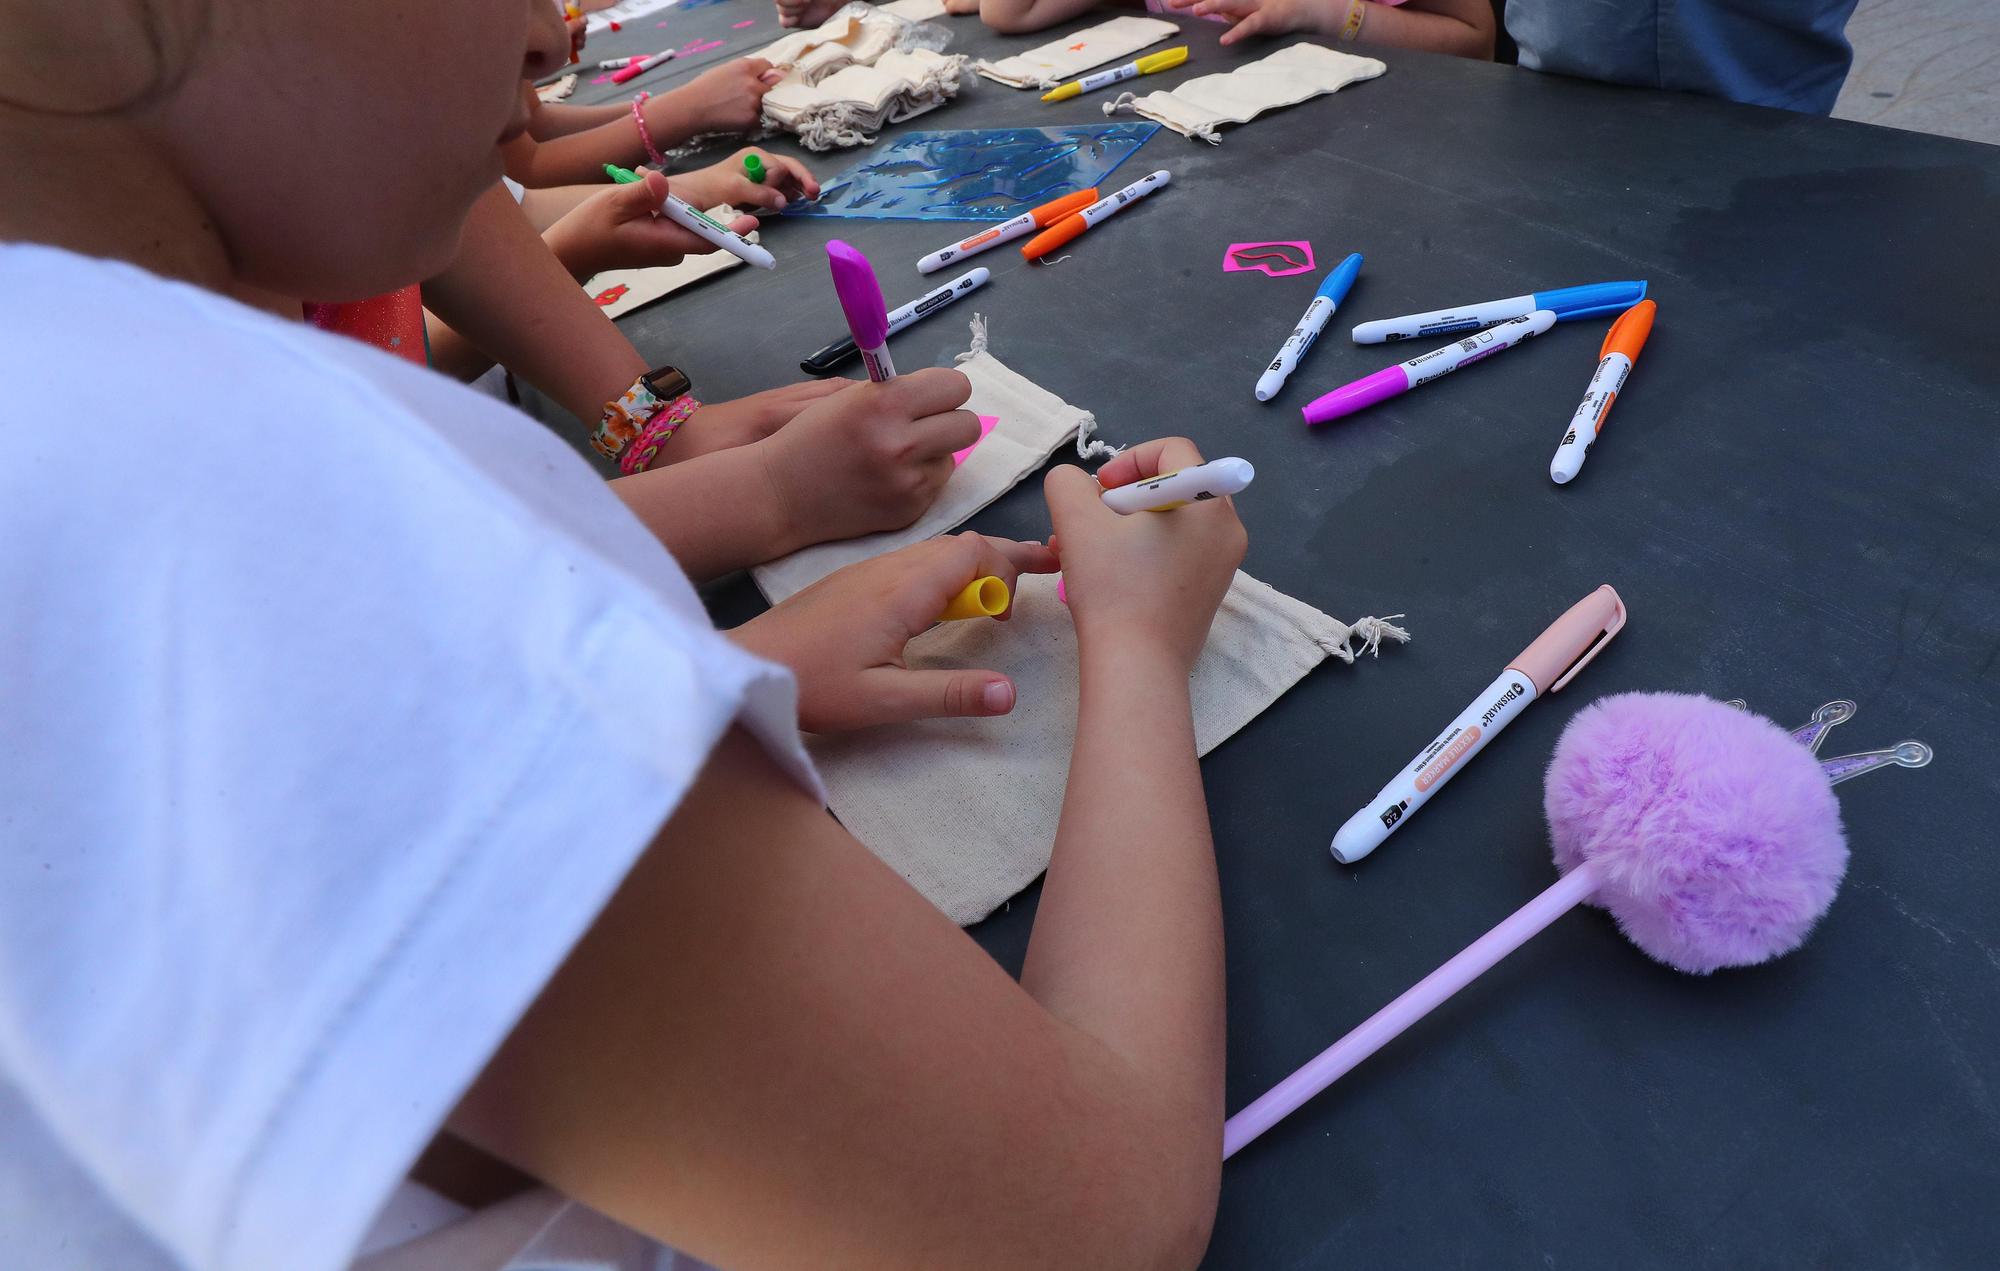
(1716, 836)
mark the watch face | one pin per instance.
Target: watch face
(667, 383)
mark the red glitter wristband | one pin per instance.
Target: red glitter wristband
(645, 137)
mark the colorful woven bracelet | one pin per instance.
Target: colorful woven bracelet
(645, 136)
(656, 433)
(1356, 11)
(619, 425)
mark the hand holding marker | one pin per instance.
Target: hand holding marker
(1327, 299)
(1026, 223)
(1071, 226)
(1620, 350)
(1216, 479)
(688, 217)
(1164, 60)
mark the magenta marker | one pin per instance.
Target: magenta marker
(861, 300)
(1404, 376)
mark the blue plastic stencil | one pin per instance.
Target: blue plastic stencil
(976, 174)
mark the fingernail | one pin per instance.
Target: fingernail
(999, 697)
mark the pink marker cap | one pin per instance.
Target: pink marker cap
(1572, 640)
(1362, 393)
(860, 295)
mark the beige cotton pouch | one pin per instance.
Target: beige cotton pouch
(1048, 65)
(966, 809)
(1201, 106)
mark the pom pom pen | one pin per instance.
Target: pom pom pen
(1393, 381)
(1614, 362)
(1077, 222)
(861, 301)
(1026, 223)
(1643, 787)
(1216, 479)
(1164, 60)
(1327, 299)
(688, 217)
(1552, 660)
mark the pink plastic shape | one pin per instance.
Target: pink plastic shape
(1278, 259)
(738, 26)
(986, 425)
(693, 47)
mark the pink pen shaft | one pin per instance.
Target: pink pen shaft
(1385, 1025)
(640, 67)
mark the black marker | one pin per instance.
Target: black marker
(829, 358)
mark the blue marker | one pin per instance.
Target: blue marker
(1325, 301)
(1567, 303)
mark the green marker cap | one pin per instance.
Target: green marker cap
(753, 167)
(623, 176)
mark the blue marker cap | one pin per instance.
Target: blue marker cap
(1343, 276)
(1591, 300)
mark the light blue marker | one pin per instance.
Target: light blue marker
(1325, 301)
(1567, 303)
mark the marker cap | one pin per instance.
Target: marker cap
(1054, 236)
(1628, 334)
(1572, 640)
(753, 167)
(860, 295)
(1336, 284)
(1055, 209)
(1359, 395)
(1591, 299)
(982, 598)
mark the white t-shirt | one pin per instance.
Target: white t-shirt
(335, 701)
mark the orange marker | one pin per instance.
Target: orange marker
(1040, 218)
(1621, 349)
(1069, 227)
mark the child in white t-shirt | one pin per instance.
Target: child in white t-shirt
(369, 770)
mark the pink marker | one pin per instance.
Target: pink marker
(1401, 378)
(643, 65)
(861, 301)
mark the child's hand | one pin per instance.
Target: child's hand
(1260, 17)
(1152, 577)
(844, 635)
(725, 98)
(620, 227)
(870, 457)
(806, 13)
(961, 6)
(784, 180)
(743, 420)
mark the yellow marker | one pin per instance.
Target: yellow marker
(1164, 60)
(982, 598)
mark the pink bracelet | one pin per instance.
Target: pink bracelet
(656, 433)
(645, 137)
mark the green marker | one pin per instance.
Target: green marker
(689, 217)
(753, 167)
(623, 176)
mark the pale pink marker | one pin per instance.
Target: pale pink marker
(986, 425)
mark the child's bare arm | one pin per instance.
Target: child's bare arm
(789, 1049)
(1017, 17)
(1461, 27)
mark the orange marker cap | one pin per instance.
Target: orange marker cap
(1054, 236)
(1049, 213)
(1628, 334)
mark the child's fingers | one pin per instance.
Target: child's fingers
(1147, 460)
(944, 434)
(757, 67)
(782, 170)
(892, 695)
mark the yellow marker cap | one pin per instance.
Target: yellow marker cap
(982, 598)
(1064, 92)
(1164, 60)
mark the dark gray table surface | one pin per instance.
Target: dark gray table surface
(1795, 496)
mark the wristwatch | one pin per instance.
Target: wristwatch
(624, 419)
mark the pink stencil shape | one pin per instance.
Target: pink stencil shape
(986, 425)
(738, 26)
(1278, 259)
(699, 46)
(602, 79)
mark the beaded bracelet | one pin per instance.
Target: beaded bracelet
(656, 434)
(645, 136)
